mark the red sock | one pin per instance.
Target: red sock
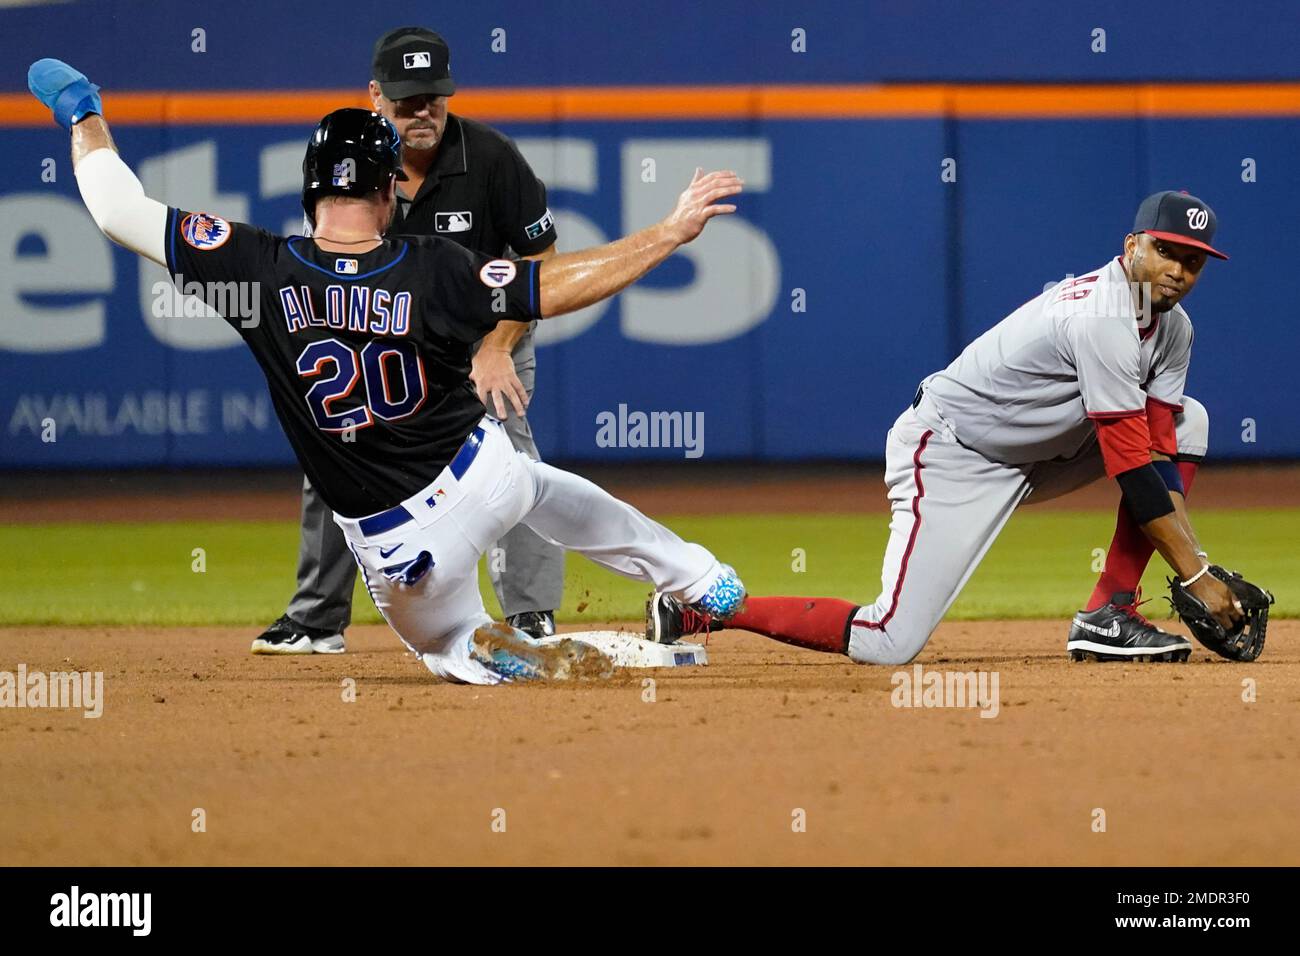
(820, 624)
(1130, 550)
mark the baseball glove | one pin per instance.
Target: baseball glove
(1245, 641)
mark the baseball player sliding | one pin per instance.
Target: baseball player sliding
(1083, 380)
(468, 183)
(366, 341)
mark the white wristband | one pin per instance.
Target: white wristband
(1195, 577)
(1202, 554)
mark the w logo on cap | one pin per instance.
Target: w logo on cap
(345, 173)
(1178, 217)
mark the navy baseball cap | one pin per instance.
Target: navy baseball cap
(1178, 217)
(411, 61)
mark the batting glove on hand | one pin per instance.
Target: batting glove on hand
(67, 92)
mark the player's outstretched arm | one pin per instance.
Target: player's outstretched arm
(1171, 535)
(111, 192)
(1180, 510)
(575, 280)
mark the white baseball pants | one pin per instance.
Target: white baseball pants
(422, 575)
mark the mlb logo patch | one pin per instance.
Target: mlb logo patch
(345, 267)
(416, 61)
(453, 221)
(345, 173)
(497, 273)
(205, 232)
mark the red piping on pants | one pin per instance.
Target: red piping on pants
(911, 541)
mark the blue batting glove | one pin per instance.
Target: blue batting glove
(64, 90)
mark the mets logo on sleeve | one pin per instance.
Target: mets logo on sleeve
(497, 273)
(205, 232)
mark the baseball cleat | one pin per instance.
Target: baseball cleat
(287, 636)
(667, 619)
(536, 624)
(517, 657)
(725, 596)
(1118, 632)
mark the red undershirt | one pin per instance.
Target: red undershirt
(1128, 438)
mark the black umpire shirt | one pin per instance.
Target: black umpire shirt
(481, 193)
(367, 354)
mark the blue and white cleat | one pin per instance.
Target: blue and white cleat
(517, 657)
(668, 620)
(724, 597)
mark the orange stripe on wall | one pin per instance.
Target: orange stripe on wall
(248, 108)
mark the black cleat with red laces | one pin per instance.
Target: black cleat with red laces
(667, 620)
(1117, 631)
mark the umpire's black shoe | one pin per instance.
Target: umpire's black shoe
(1118, 632)
(287, 636)
(536, 624)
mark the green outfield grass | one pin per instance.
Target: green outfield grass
(1040, 567)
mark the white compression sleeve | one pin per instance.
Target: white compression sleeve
(120, 208)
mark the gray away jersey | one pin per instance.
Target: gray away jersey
(1026, 389)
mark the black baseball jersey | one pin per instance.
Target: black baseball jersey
(367, 355)
(481, 193)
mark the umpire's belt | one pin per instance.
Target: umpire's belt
(398, 516)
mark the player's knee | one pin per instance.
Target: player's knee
(892, 647)
(1193, 426)
(898, 656)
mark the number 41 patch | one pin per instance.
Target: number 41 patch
(497, 273)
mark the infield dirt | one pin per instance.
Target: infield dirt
(720, 767)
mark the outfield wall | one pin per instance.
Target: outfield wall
(798, 328)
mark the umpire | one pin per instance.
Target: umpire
(468, 183)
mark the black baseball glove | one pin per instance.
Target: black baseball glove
(1246, 640)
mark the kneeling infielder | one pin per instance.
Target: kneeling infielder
(1084, 379)
(365, 343)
